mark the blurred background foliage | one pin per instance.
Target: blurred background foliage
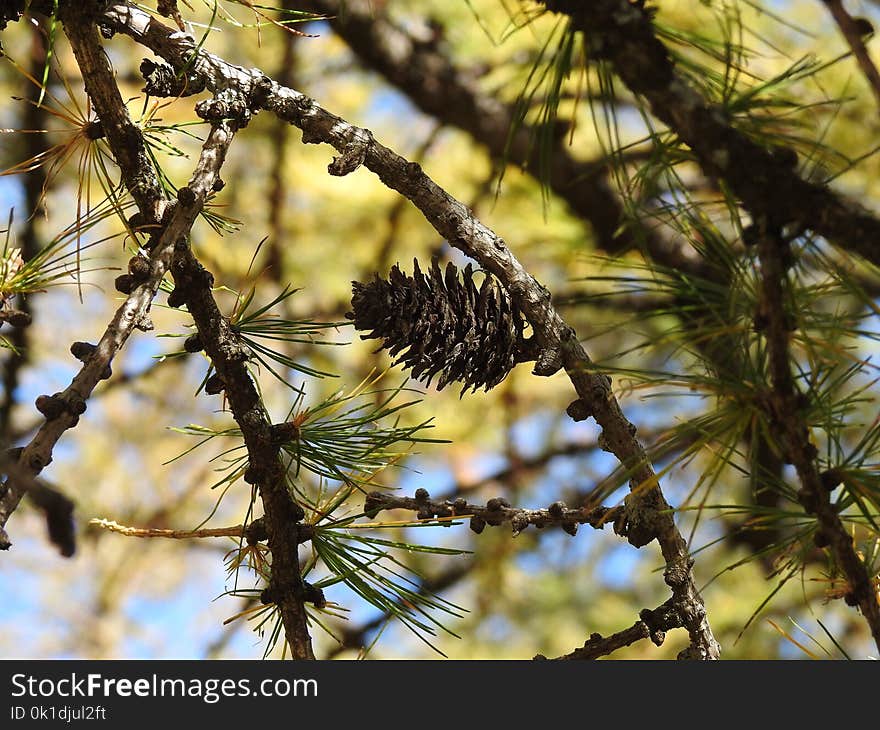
(538, 592)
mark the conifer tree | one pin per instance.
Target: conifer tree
(641, 205)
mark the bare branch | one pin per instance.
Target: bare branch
(651, 624)
(265, 470)
(124, 137)
(498, 511)
(149, 532)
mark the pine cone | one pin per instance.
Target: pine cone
(441, 325)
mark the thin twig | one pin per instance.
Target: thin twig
(497, 511)
(651, 624)
(236, 531)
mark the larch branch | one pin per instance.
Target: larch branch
(649, 516)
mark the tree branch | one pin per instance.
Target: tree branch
(34, 117)
(853, 33)
(649, 516)
(169, 241)
(785, 408)
(265, 468)
(55, 505)
(498, 511)
(764, 180)
(62, 410)
(125, 138)
(651, 624)
(193, 288)
(236, 531)
(422, 71)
